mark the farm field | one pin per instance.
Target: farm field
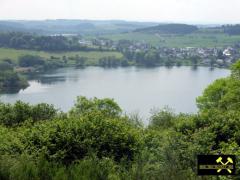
(91, 55)
(180, 41)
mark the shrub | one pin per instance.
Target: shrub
(30, 60)
(162, 119)
(14, 115)
(72, 139)
(105, 106)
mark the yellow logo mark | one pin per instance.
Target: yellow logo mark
(229, 160)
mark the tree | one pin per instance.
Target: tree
(235, 70)
(5, 66)
(64, 58)
(80, 61)
(105, 106)
(162, 119)
(11, 81)
(20, 112)
(30, 61)
(43, 111)
(150, 58)
(223, 94)
(220, 54)
(139, 57)
(195, 60)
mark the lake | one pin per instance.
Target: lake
(135, 89)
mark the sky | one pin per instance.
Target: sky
(182, 11)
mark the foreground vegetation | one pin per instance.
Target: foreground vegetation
(94, 140)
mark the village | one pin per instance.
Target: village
(206, 56)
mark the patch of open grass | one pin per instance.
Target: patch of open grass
(93, 56)
(190, 40)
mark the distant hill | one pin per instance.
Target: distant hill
(6, 26)
(90, 27)
(232, 29)
(169, 29)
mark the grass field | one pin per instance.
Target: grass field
(92, 55)
(191, 40)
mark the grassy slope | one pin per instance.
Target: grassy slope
(192, 40)
(135, 36)
(93, 56)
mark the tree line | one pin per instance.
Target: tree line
(232, 29)
(20, 40)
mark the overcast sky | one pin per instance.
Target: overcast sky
(188, 11)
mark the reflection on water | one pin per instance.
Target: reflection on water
(135, 89)
(10, 90)
(51, 79)
(34, 87)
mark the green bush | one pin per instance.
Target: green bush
(162, 118)
(84, 106)
(30, 61)
(72, 139)
(5, 66)
(11, 81)
(18, 113)
(10, 142)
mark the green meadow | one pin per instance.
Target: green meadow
(92, 56)
(191, 40)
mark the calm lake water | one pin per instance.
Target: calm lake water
(134, 89)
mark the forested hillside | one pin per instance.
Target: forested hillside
(72, 26)
(94, 140)
(20, 40)
(232, 29)
(170, 29)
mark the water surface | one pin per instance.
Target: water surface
(134, 89)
